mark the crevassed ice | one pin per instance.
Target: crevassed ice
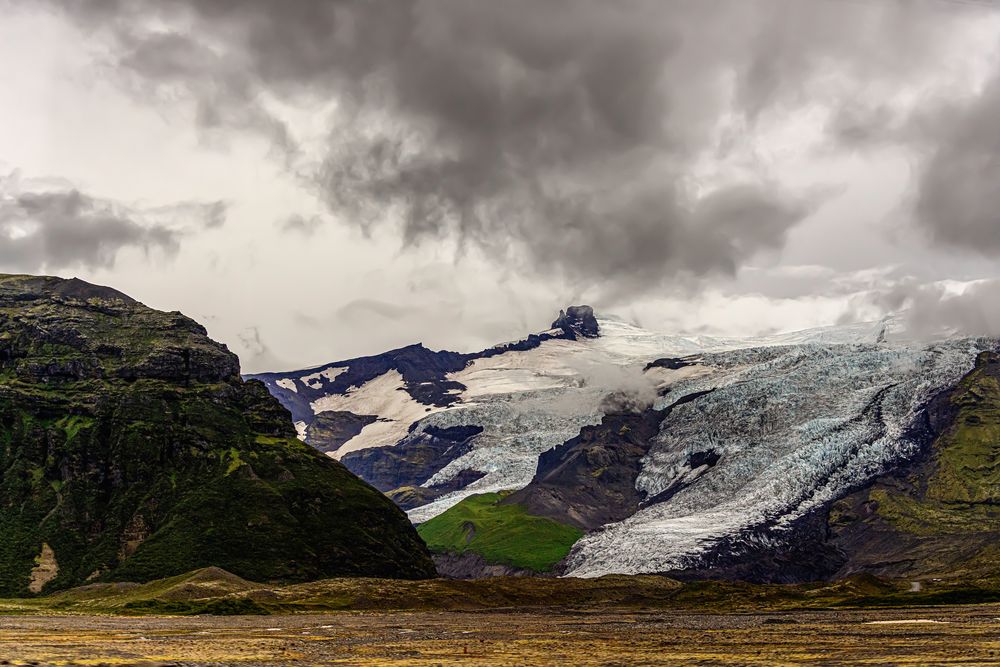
(795, 427)
(517, 428)
(528, 402)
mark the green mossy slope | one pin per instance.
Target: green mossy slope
(940, 517)
(501, 534)
(131, 447)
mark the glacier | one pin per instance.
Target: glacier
(795, 427)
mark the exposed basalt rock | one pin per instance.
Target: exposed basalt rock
(589, 480)
(699, 459)
(471, 565)
(462, 479)
(131, 447)
(329, 430)
(414, 460)
(51, 332)
(408, 497)
(577, 322)
(671, 363)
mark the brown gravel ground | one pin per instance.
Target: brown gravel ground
(962, 635)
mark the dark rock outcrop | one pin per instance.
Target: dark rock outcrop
(414, 460)
(329, 430)
(577, 322)
(671, 363)
(470, 565)
(130, 449)
(589, 480)
(408, 497)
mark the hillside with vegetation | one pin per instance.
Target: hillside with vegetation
(131, 449)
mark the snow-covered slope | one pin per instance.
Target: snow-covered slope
(789, 422)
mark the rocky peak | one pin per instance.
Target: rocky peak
(577, 322)
(53, 329)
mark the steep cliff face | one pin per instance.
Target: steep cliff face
(130, 449)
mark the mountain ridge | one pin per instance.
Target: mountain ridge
(764, 435)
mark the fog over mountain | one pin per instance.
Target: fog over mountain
(330, 178)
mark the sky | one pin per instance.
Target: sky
(323, 179)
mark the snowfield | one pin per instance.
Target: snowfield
(383, 397)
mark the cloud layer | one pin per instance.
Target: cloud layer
(564, 137)
(42, 228)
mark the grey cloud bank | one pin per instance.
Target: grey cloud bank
(44, 229)
(560, 136)
(618, 149)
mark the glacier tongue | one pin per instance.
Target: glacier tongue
(517, 427)
(794, 427)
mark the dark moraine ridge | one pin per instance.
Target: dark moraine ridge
(130, 449)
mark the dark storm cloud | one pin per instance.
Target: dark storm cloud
(45, 229)
(958, 196)
(562, 134)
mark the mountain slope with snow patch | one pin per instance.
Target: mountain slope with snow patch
(752, 434)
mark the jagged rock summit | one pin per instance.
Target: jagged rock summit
(578, 321)
(131, 449)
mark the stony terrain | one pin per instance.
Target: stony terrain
(211, 617)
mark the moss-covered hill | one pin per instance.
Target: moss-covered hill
(940, 516)
(130, 449)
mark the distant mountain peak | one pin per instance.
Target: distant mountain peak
(577, 322)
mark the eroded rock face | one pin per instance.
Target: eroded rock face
(131, 448)
(414, 460)
(589, 480)
(472, 566)
(577, 322)
(45, 570)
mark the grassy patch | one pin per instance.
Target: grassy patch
(963, 489)
(503, 534)
(217, 592)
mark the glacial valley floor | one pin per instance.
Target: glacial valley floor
(553, 636)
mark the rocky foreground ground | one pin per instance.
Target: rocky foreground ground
(926, 636)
